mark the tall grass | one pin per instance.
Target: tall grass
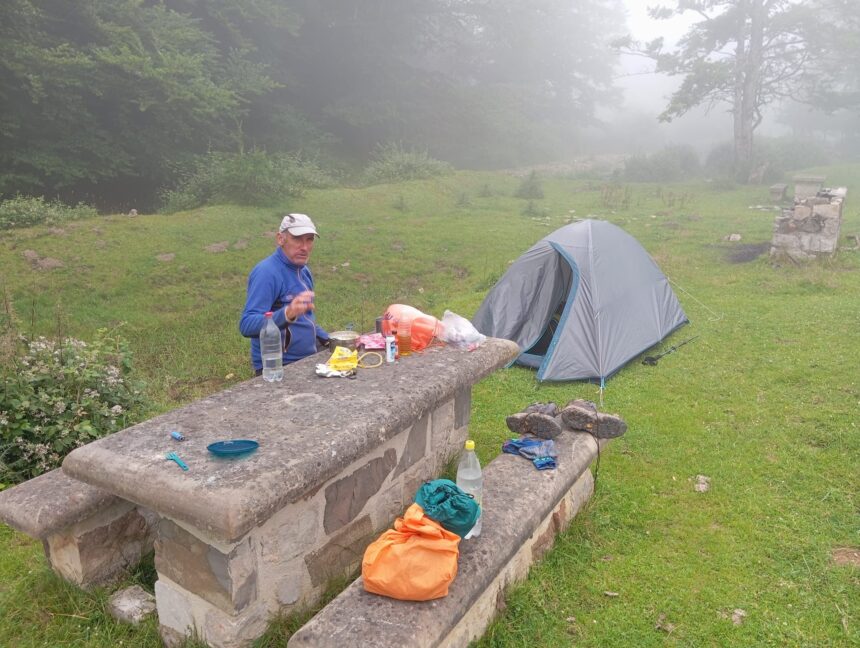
(763, 402)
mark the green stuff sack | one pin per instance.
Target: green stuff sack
(447, 504)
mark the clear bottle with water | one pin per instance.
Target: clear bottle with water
(270, 350)
(470, 480)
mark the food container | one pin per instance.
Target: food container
(346, 339)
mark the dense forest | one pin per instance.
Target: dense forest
(105, 100)
(116, 103)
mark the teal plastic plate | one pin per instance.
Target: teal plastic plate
(232, 448)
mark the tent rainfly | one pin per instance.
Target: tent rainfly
(581, 303)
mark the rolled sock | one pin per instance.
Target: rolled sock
(514, 446)
(544, 463)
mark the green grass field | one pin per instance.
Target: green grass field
(764, 402)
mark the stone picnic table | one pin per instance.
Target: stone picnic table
(242, 539)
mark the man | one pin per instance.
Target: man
(282, 283)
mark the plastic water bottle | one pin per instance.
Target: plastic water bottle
(270, 350)
(469, 479)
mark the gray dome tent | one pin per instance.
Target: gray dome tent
(581, 303)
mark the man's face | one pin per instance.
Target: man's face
(297, 248)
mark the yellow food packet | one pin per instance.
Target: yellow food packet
(342, 359)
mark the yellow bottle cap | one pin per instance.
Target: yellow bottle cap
(470, 445)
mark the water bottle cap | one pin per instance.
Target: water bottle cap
(268, 313)
(470, 445)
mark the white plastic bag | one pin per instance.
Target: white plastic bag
(459, 331)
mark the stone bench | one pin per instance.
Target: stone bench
(777, 191)
(524, 509)
(242, 540)
(807, 186)
(90, 537)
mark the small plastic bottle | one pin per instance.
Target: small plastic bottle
(470, 480)
(270, 350)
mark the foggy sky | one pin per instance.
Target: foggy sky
(646, 93)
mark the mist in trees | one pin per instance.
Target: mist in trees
(112, 101)
(106, 100)
(748, 56)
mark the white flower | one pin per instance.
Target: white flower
(117, 410)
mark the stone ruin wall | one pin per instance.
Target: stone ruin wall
(810, 228)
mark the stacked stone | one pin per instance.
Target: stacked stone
(811, 227)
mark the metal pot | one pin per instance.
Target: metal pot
(346, 339)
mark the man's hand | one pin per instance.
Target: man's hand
(301, 304)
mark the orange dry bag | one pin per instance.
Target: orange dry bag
(415, 561)
(424, 327)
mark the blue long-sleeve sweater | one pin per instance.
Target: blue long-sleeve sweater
(272, 285)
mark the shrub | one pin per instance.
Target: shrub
(533, 211)
(58, 396)
(394, 163)
(672, 164)
(256, 178)
(772, 158)
(530, 188)
(24, 211)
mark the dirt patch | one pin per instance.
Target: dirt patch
(49, 264)
(703, 484)
(215, 248)
(846, 556)
(241, 244)
(31, 255)
(746, 252)
(166, 257)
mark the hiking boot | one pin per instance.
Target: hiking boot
(550, 409)
(543, 426)
(517, 423)
(580, 415)
(583, 403)
(609, 426)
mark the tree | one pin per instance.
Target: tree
(746, 53)
(110, 91)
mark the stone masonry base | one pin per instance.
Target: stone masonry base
(473, 624)
(102, 548)
(226, 593)
(524, 510)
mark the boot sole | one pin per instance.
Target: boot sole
(579, 418)
(543, 426)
